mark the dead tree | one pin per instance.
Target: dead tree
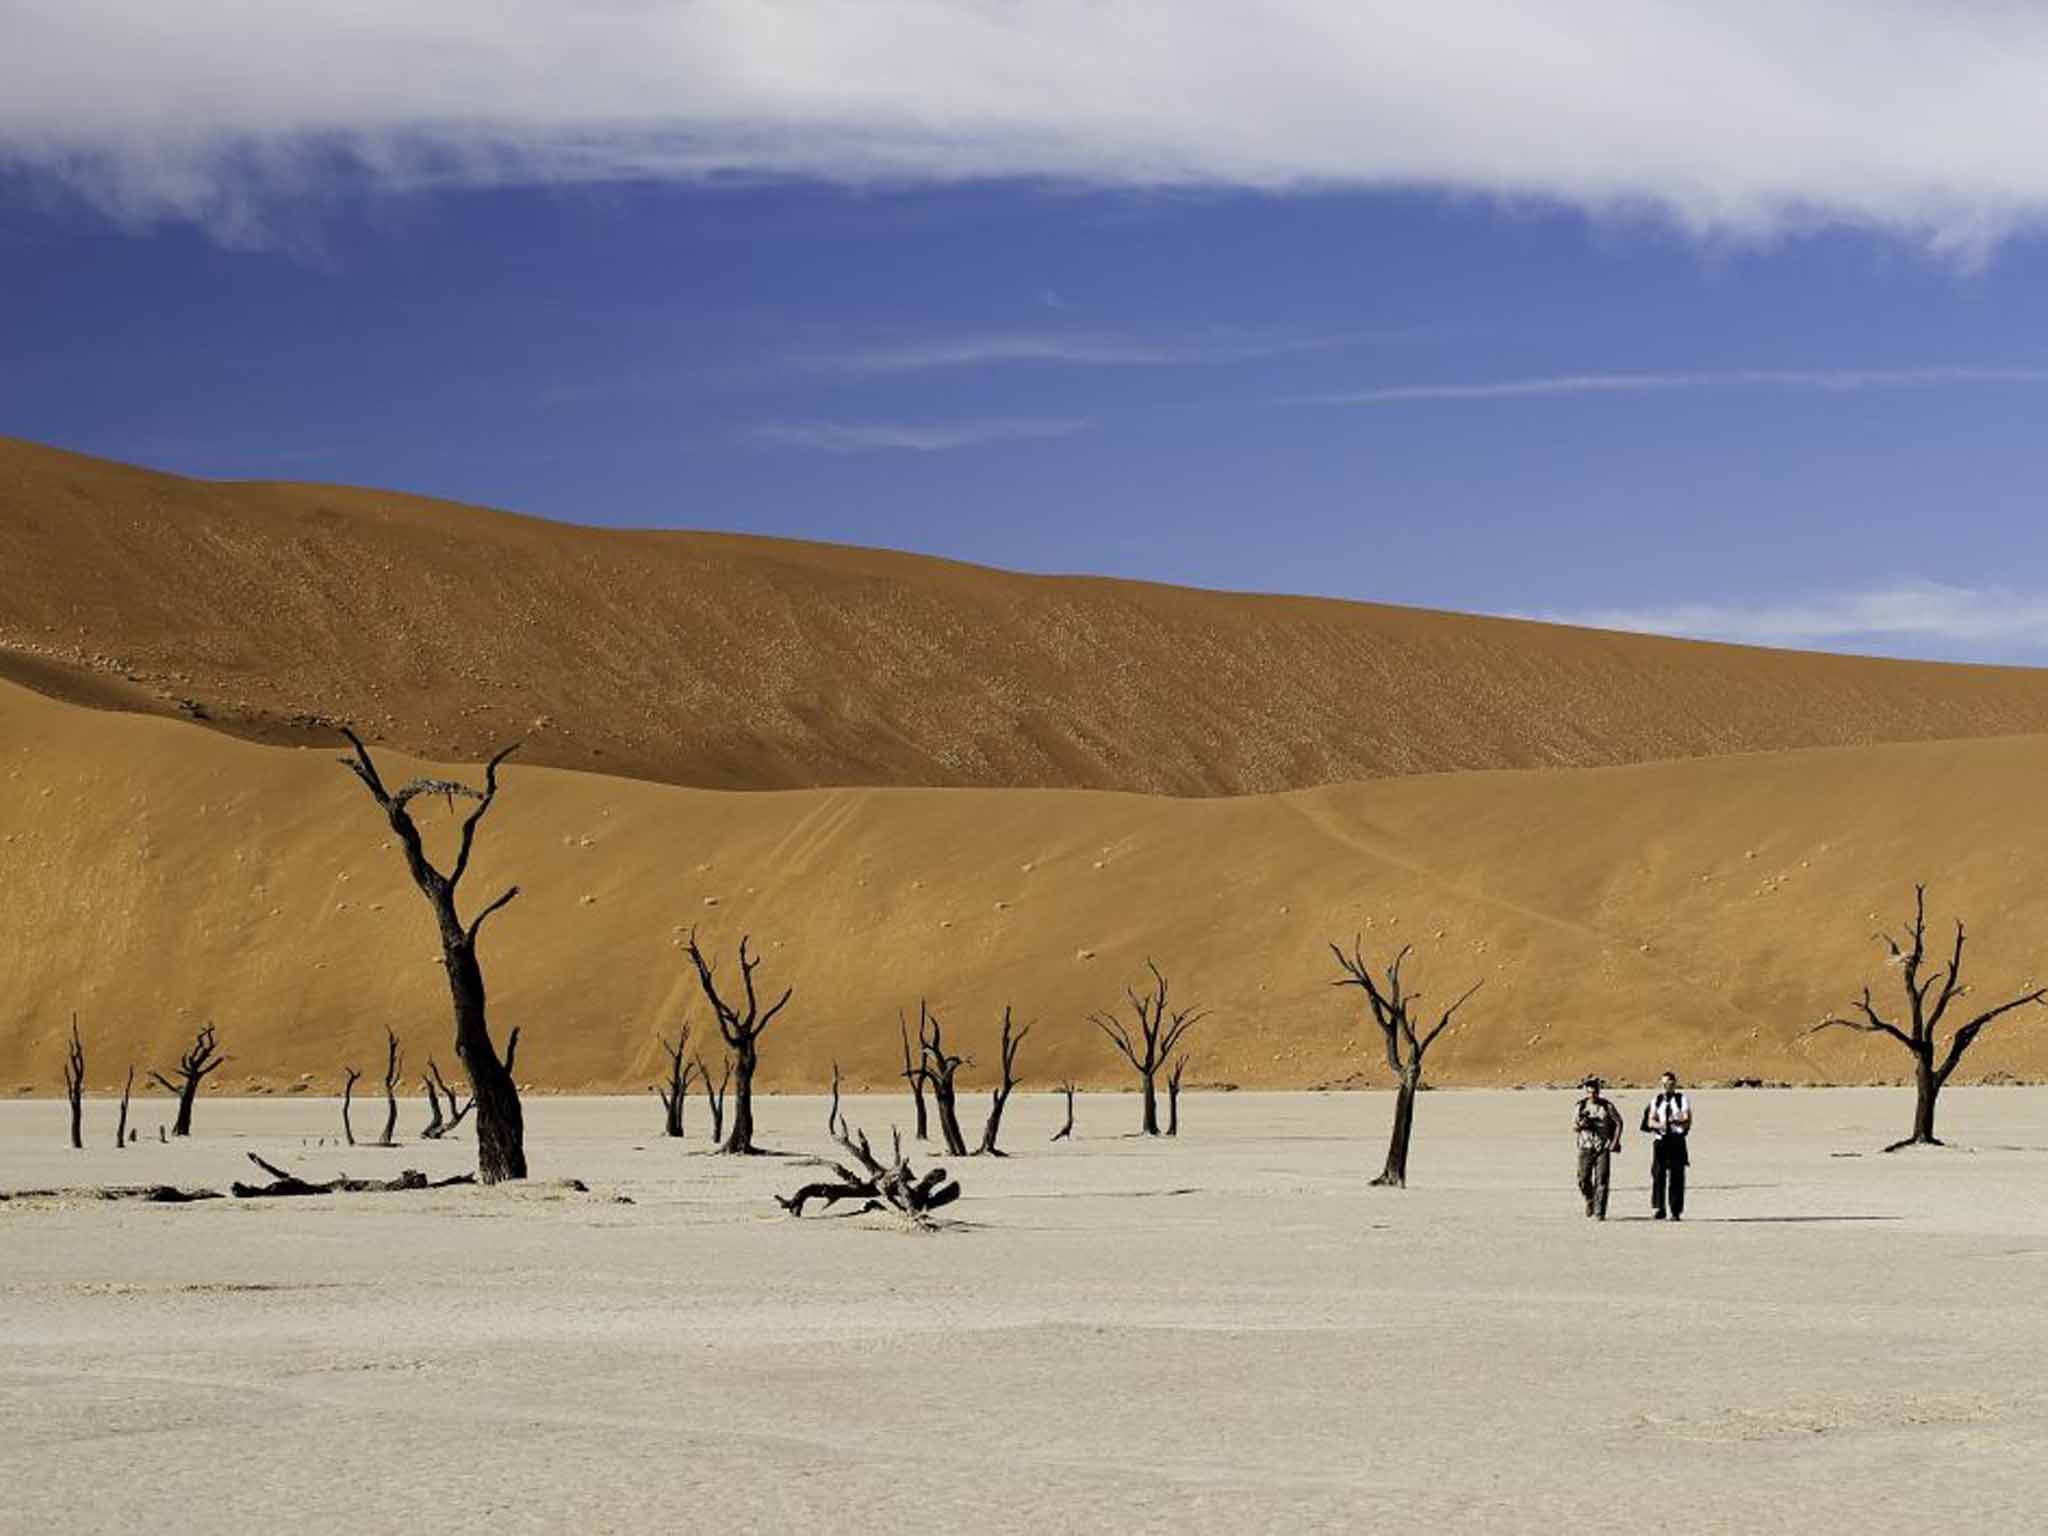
(348, 1093)
(940, 1070)
(127, 1089)
(677, 1090)
(1066, 1130)
(1000, 1097)
(1392, 1005)
(500, 1124)
(878, 1186)
(394, 1065)
(913, 1074)
(742, 1032)
(194, 1068)
(457, 1109)
(1159, 1035)
(716, 1099)
(834, 1119)
(1180, 1064)
(283, 1184)
(74, 1084)
(1928, 996)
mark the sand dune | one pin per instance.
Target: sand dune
(731, 662)
(158, 874)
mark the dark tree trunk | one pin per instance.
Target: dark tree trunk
(393, 1065)
(1927, 1086)
(121, 1130)
(74, 1085)
(1395, 1174)
(715, 1097)
(348, 1090)
(182, 1126)
(500, 1123)
(944, 1096)
(1151, 1121)
(741, 1139)
(1068, 1129)
(1012, 1040)
(1173, 1105)
(676, 1094)
(913, 1074)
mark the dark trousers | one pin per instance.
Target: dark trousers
(1594, 1168)
(1667, 1175)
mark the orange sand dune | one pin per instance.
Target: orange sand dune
(731, 662)
(157, 874)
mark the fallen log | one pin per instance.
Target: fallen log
(879, 1186)
(284, 1184)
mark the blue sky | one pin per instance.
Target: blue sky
(1777, 397)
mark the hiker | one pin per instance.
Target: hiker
(1667, 1120)
(1598, 1127)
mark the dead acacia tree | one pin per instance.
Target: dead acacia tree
(742, 1032)
(913, 1074)
(194, 1068)
(1159, 1034)
(1929, 992)
(941, 1068)
(500, 1123)
(394, 1065)
(877, 1185)
(1000, 1097)
(716, 1098)
(74, 1084)
(1180, 1064)
(835, 1119)
(1392, 1004)
(348, 1093)
(127, 1089)
(677, 1090)
(1066, 1130)
(457, 1109)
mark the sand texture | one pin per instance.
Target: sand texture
(1703, 912)
(1228, 1333)
(750, 663)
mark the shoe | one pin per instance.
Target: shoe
(1676, 1217)
(1657, 1216)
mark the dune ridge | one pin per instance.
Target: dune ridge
(724, 661)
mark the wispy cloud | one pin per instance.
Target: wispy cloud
(1740, 118)
(927, 354)
(1910, 615)
(909, 437)
(1843, 380)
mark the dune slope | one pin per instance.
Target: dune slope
(732, 662)
(1701, 912)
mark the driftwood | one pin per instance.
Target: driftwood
(879, 1186)
(148, 1194)
(74, 1084)
(194, 1067)
(1012, 1039)
(1159, 1034)
(285, 1184)
(742, 1029)
(1066, 1130)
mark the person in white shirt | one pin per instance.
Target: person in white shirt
(1668, 1122)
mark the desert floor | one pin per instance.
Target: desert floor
(1230, 1332)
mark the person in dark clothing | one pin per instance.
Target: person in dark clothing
(1668, 1122)
(1597, 1125)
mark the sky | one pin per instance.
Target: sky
(1722, 319)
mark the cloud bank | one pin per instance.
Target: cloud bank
(1739, 118)
(1911, 614)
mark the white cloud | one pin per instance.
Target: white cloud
(1732, 117)
(1844, 380)
(1093, 351)
(1912, 615)
(911, 437)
